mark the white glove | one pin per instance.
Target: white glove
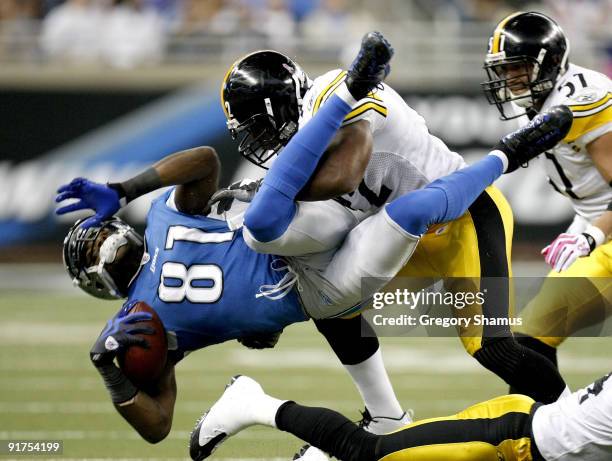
(567, 248)
(243, 191)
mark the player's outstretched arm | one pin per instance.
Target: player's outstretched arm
(150, 410)
(195, 172)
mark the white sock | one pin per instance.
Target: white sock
(502, 156)
(372, 381)
(566, 393)
(264, 408)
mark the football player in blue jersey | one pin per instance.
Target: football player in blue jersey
(200, 274)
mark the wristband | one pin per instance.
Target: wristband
(117, 187)
(594, 236)
(145, 182)
(119, 386)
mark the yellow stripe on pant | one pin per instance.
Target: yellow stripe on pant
(495, 430)
(454, 250)
(568, 301)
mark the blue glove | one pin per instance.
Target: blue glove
(104, 200)
(119, 334)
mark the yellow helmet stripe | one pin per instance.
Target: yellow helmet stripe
(223, 82)
(226, 76)
(498, 31)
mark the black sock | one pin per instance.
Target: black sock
(527, 371)
(327, 430)
(347, 340)
(536, 345)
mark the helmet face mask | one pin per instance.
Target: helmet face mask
(521, 86)
(103, 260)
(260, 139)
(527, 54)
(262, 96)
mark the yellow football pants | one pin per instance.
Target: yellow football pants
(495, 430)
(568, 301)
(478, 244)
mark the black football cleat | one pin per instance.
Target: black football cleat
(371, 65)
(542, 133)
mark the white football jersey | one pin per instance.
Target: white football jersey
(569, 166)
(577, 427)
(405, 155)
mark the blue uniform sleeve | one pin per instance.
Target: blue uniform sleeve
(273, 207)
(446, 198)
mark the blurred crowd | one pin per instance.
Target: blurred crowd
(129, 33)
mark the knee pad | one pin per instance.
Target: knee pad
(353, 340)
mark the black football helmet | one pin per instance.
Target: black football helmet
(261, 96)
(103, 260)
(536, 47)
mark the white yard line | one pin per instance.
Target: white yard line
(121, 435)
(61, 458)
(409, 359)
(67, 407)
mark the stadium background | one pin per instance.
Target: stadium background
(102, 88)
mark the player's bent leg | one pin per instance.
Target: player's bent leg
(315, 227)
(446, 198)
(357, 269)
(520, 367)
(356, 345)
(327, 430)
(242, 404)
(568, 301)
(489, 230)
(496, 429)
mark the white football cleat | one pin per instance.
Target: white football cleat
(310, 453)
(228, 416)
(380, 425)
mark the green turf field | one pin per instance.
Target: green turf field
(49, 390)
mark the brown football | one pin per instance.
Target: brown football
(144, 366)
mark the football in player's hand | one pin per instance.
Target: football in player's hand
(143, 366)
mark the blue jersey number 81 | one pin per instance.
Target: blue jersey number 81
(186, 276)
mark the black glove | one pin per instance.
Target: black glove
(119, 334)
(243, 191)
(261, 341)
